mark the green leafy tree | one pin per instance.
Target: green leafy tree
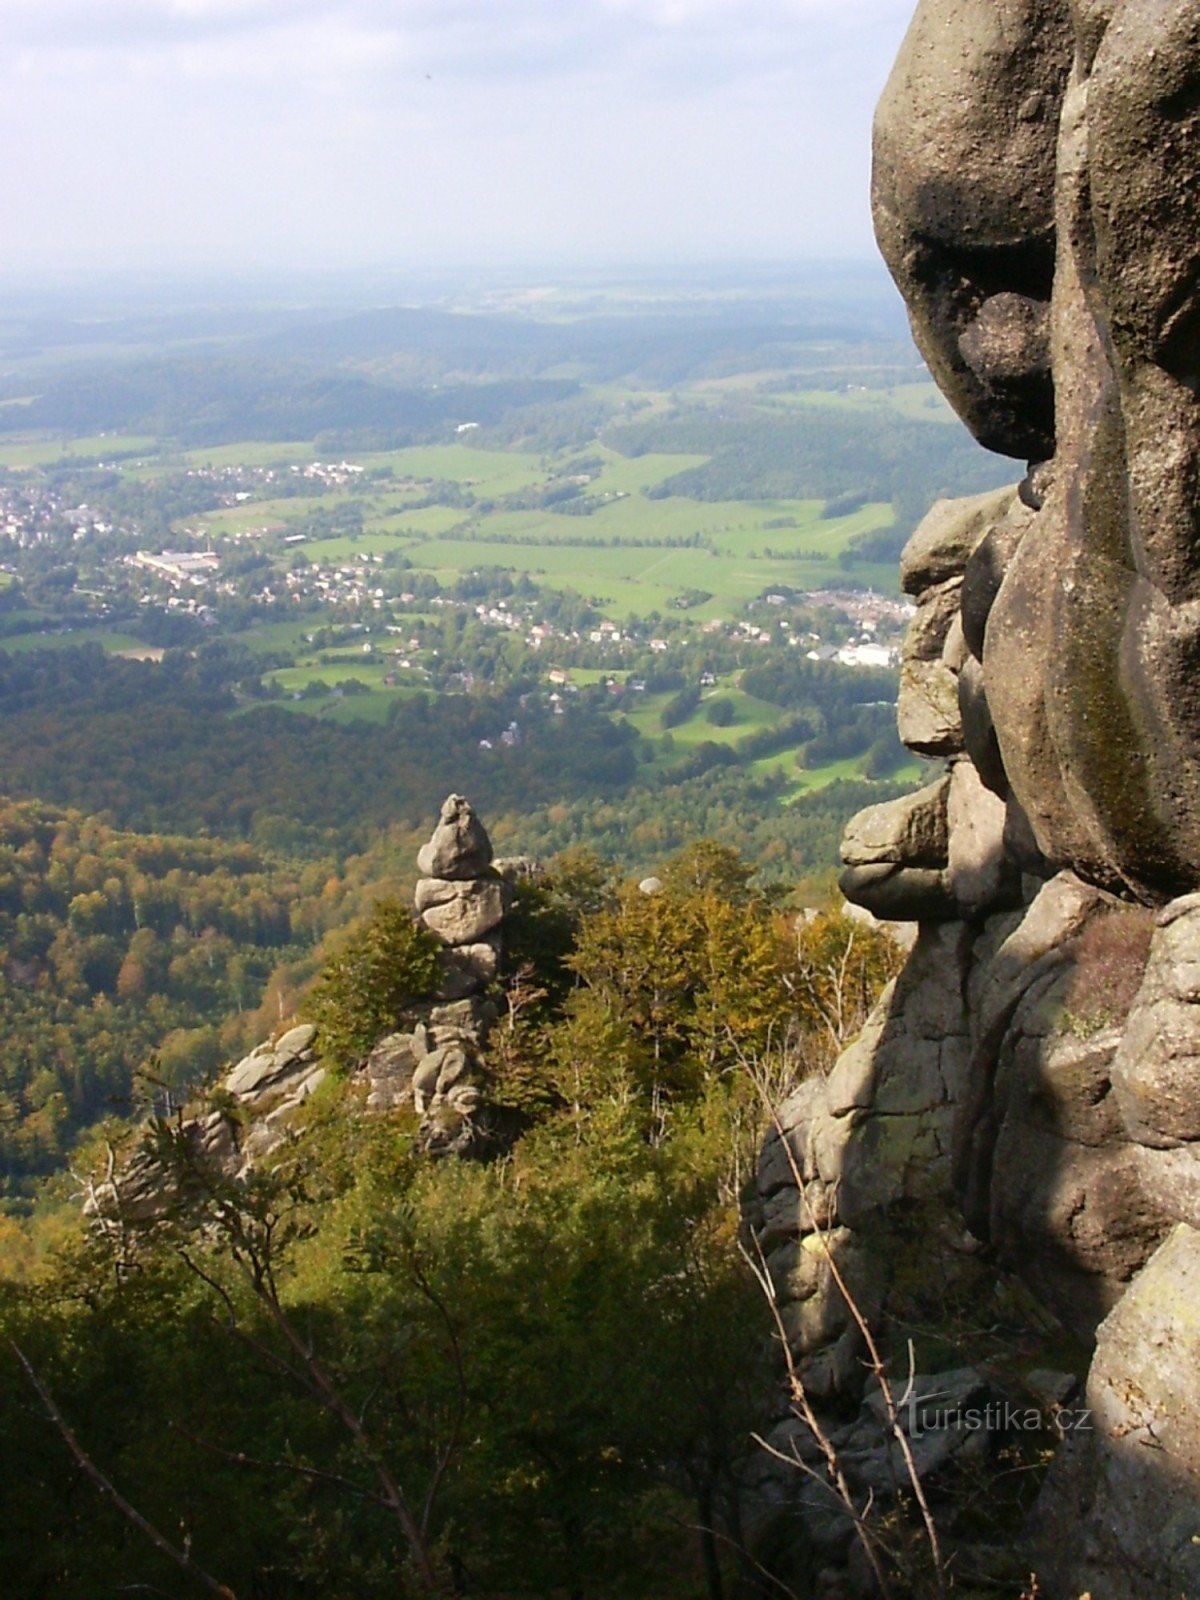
(385, 965)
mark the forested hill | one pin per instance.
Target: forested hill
(120, 949)
(474, 1320)
(184, 746)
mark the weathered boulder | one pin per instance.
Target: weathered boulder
(460, 847)
(980, 872)
(927, 713)
(468, 968)
(1127, 1482)
(390, 1067)
(957, 224)
(944, 542)
(938, 854)
(1156, 1073)
(461, 911)
(911, 830)
(272, 1065)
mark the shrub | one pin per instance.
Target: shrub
(387, 964)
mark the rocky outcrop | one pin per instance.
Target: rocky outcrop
(436, 1065)
(1031, 1082)
(433, 1064)
(1128, 1482)
(257, 1101)
(462, 900)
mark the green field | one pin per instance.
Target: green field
(750, 714)
(41, 452)
(922, 402)
(621, 582)
(114, 643)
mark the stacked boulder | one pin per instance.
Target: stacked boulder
(432, 1063)
(435, 1064)
(462, 899)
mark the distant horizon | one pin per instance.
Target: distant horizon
(499, 288)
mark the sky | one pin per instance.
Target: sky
(258, 135)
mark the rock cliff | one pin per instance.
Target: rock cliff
(1021, 1116)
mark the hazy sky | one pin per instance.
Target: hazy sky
(256, 134)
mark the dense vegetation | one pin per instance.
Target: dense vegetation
(182, 746)
(361, 1371)
(117, 949)
(557, 1359)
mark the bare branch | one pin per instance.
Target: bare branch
(837, 1483)
(181, 1558)
(239, 1458)
(876, 1361)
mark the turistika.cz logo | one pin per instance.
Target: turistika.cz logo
(997, 1416)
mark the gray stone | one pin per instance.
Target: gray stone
(468, 968)
(470, 1018)
(979, 872)
(268, 1069)
(896, 893)
(460, 912)
(1156, 1074)
(390, 1067)
(439, 1072)
(927, 713)
(293, 1043)
(957, 221)
(911, 830)
(1128, 1484)
(460, 847)
(253, 1071)
(942, 545)
(937, 612)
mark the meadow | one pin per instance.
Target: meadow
(632, 555)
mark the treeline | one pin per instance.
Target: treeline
(790, 680)
(116, 949)
(213, 400)
(153, 745)
(740, 809)
(821, 453)
(182, 747)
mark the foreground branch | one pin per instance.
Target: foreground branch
(181, 1558)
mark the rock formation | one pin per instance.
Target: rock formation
(1030, 1085)
(433, 1064)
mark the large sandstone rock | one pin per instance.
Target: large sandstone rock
(946, 539)
(927, 712)
(1156, 1074)
(460, 847)
(1127, 1484)
(911, 830)
(958, 223)
(1037, 166)
(461, 912)
(468, 968)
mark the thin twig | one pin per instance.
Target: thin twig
(877, 1364)
(239, 1458)
(181, 1558)
(838, 1484)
